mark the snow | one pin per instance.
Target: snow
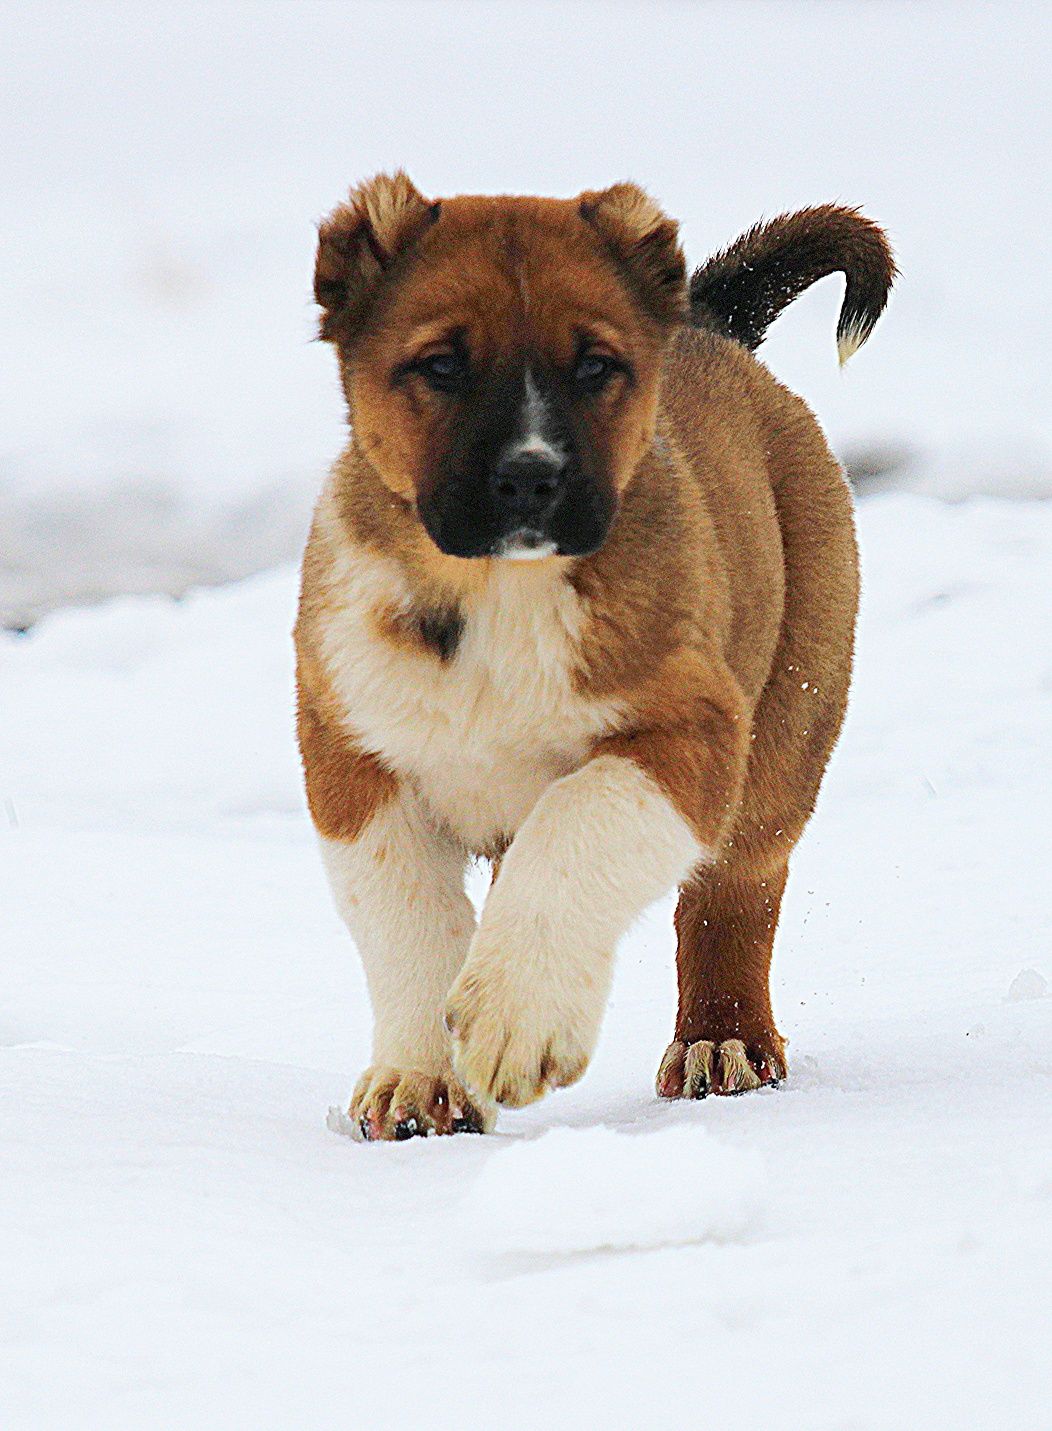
(1027, 984)
(184, 1241)
(164, 416)
(582, 1190)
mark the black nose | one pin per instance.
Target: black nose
(527, 484)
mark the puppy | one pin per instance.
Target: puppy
(579, 598)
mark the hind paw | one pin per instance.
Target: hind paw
(694, 1070)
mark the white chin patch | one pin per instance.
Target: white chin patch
(526, 546)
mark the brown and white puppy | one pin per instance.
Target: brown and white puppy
(580, 598)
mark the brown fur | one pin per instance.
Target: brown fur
(345, 784)
(720, 610)
(741, 291)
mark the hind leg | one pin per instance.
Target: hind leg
(726, 1040)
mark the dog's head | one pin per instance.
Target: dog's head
(501, 356)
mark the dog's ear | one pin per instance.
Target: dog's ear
(358, 242)
(644, 243)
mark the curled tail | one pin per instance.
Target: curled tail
(741, 291)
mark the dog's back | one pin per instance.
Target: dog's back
(770, 486)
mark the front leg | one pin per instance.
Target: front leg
(400, 889)
(599, 846)
(399, 885)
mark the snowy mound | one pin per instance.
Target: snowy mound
(586, 1190)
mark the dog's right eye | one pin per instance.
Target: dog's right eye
(442, 371)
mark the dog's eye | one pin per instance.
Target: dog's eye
(594, 371)
(442, 371)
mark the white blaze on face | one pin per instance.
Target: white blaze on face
(536, 436)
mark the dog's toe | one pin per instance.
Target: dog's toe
(734, 1073)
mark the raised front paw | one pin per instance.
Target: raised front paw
(694, 1070)
(514, 1039)
(392, 1103)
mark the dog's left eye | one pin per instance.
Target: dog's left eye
(594, 371)
(442, 371)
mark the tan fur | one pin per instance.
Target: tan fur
(660, 711)
(524, 1013)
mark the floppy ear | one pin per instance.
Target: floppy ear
(644, 243)
(359, 241)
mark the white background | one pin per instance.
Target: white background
(183, 1243)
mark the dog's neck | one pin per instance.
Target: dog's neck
(625, 587)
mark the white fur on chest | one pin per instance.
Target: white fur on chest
(482, 735)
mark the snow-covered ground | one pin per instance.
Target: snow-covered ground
(164, 416)
(183, 1242)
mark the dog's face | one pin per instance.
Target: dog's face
(501, 357)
